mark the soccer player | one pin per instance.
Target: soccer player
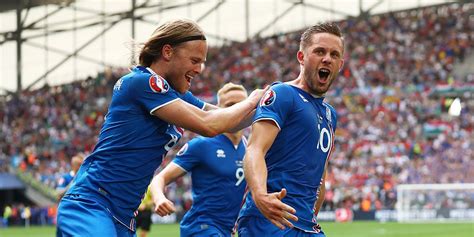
(292, 137)
(66, 179)
(150, 106)
(217, 175)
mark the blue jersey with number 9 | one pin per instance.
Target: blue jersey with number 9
(218, 183)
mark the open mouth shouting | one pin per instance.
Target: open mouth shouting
(324, 74)
(189, 78)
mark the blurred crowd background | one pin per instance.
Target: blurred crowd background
(392, 98)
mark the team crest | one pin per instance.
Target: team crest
(328, 114)
(182, 150)
(268, 98)
(158, 84)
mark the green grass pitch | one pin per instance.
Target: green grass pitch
(355, 229)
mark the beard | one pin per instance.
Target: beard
(315, 88)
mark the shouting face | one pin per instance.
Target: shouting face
(321, 61)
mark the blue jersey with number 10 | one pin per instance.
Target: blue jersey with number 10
(218, 183)
(131, 144)
(297, 157)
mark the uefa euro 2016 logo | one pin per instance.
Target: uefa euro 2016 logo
(268, 98)
(158, 84)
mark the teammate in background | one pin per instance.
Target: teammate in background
(144, 214)
(66, 179)
(292, 138)
(218, 182)
(148, 110)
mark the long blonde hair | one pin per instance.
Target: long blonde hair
(173, 33)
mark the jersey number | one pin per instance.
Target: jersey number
(174, 139)
(239, 174)
(324, 133)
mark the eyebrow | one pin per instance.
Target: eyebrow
(325, 49)
(198, 59)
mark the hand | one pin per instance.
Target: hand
(277, 212)
(256, 95)
(164, 207)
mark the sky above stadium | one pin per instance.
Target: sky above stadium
(221, 20)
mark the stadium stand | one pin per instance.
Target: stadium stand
(392, 98)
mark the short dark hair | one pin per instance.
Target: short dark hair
(325, 27)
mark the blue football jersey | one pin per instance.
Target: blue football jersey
(65, 180)
(297, 157)
(218, 182)
(132, 144)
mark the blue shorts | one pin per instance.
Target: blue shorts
(82, 217)
(250, 226)
(202, 230)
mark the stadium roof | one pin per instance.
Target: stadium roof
(65, 40)
(8, 5)
(9, 181)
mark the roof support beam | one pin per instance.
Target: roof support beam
(73, 54)
(293, 5)
(344, 14)
(210, 10)
(63, 52)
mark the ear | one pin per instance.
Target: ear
(300, 57)
(167, 52)
(341, 65)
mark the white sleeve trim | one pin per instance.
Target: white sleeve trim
(271, 119)
(180, 167)
(159, 106)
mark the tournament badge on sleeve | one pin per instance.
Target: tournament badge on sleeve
(158, 84)
(268, 98)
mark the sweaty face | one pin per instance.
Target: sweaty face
(231, 97)
(321, 61)
(187, 61)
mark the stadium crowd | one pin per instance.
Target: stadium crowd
(393, 128)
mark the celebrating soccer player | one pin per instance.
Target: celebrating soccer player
(217, 175)
(292, 137)
(149, 108)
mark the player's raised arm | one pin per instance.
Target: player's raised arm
(270, 205)
(212, 122)
(163, 206)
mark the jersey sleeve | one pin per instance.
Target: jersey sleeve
(190, 98)
(189, 155)
(275, 105)
(152, 91)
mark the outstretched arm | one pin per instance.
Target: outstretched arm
(247, 121)
(270, 205)
(211, 122)
(170, 173)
